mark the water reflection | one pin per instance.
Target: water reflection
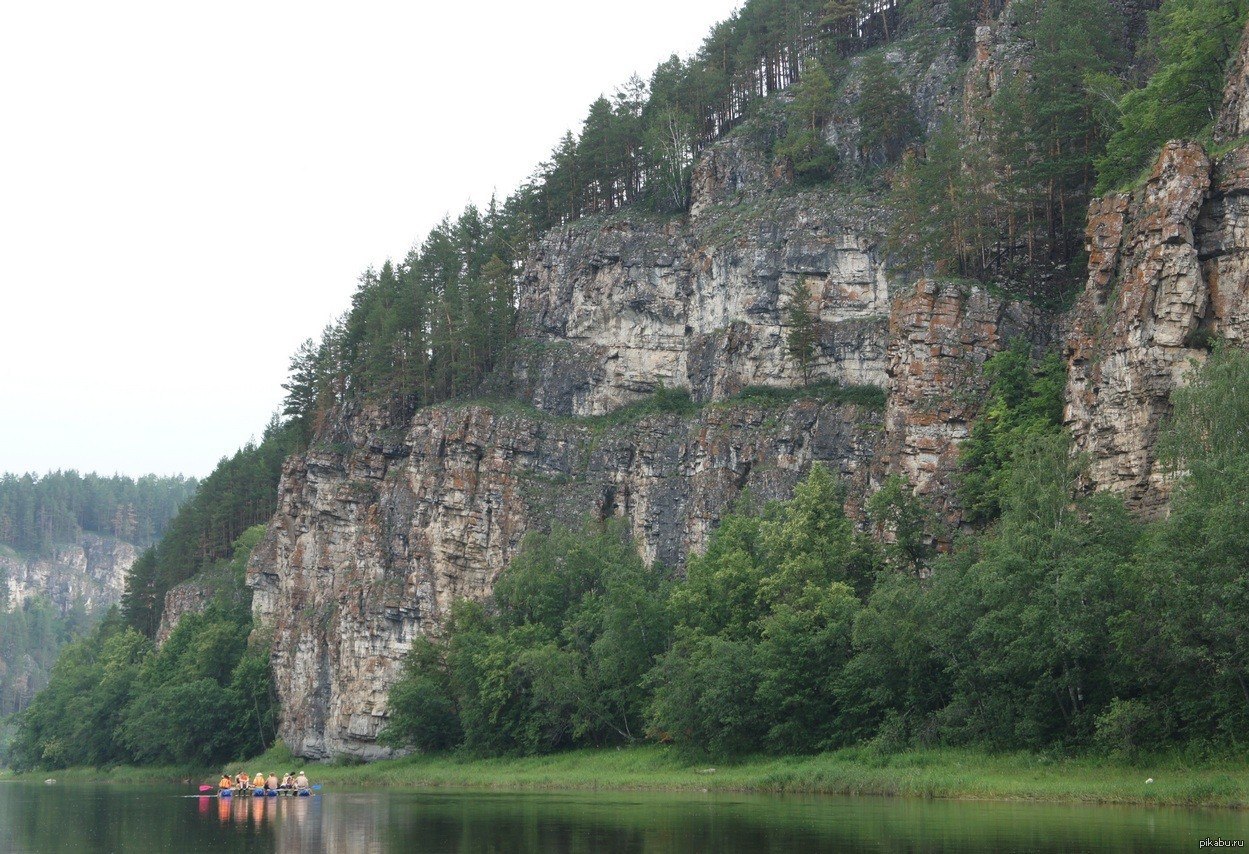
(124, 819)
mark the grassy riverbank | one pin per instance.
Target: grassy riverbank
(945, 773)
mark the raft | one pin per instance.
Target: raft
(225, 793)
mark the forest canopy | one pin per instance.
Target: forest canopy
(39, 512)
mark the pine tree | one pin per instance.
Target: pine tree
(802, 336)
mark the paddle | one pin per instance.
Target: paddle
(206, 788)
(317, 787)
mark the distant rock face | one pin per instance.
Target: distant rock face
(370, 548)
(91, 570)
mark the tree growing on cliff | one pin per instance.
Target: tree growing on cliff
(802, 334)
(1191, 42)
(1025, 401)
(885, 112)
(804, 144)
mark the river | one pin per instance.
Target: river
(89, 818)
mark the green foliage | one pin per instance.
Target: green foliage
(577, 620)
(804, 144)
(1027, 609)
(802, 337)
(885, 112)
(423, 711)
(902, 524)
(1190, 42)
(31, 636)
(777, 593)
(867, 396)
(1184, 633)
(37, 513)
(662, 401)
(419, 332)
(1006, 203)
(241, 492)
(1025, 400)
(203, 697)
(638, 147)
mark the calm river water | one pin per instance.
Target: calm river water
(38, 818)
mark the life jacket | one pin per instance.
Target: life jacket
(225, 783)
(259, 782)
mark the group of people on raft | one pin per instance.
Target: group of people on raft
(291, 784)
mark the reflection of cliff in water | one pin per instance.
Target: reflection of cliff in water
(625, 823)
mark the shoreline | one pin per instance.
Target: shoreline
(945, 774)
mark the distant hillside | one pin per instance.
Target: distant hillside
(67, 541)
(40, 512)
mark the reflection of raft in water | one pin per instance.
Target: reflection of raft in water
(272, 793)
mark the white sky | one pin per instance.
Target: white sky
(187, 191)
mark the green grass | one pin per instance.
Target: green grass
(937, 773)
(867, 396)
(677, 401)
(945, 773)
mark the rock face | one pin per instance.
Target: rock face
(1168, 275)
(370, 547)
(611, 311)
(382, 525)
(189, 597)
(91, 570)
(940, 336)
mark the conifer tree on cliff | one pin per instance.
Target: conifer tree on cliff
(802, 336)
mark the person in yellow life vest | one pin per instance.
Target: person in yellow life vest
(259, 781)
(225, 782)
(272, 782)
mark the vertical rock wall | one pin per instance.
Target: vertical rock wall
(371, 545)
(940, 336)
(1168, 276)
(91, 570)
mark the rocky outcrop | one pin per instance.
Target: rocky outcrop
(1167, 276)
(90, 571)
(189, 597)
(370, 547)
(940, 336)
(382, 525)
(611, 311)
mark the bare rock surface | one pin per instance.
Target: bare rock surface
(91, 570)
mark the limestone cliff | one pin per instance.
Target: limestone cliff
(91, 570)
(381, 525)
(610, 311)
(1168, 275)
(372, 544)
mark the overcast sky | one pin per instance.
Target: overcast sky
(187, 191)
